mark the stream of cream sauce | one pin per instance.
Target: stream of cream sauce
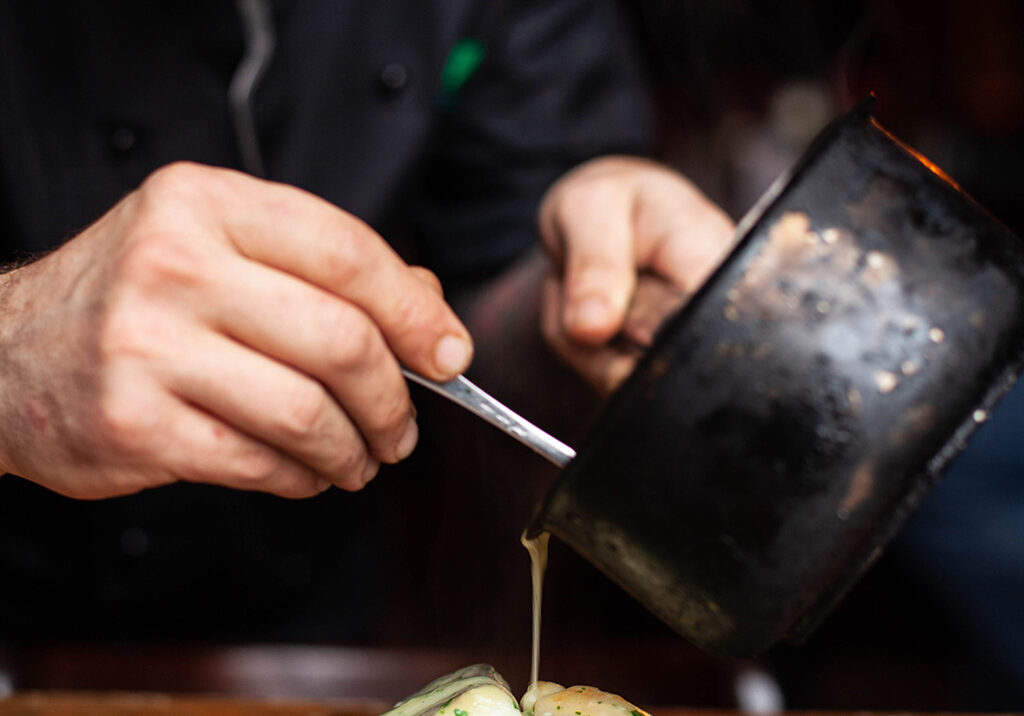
(538, 549)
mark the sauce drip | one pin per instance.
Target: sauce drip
(538, 549)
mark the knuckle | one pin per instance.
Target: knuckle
(304, 414)
(586, 196)
(255, 466)
(391, 415)
(428, 277)
(344, 465)
(158, 258)
(133, 331)
(351, 344)
(345, 259)
(414, 312)
(118, 336)
(176, 179)
(124, 423)
(407, 312)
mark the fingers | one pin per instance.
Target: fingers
(149, 437)
(205, 449)
(632, 239)
(589, 225)
(654, 300)
(606, 366)
(615, 218)
(680, 234)
(273, 404)
(303, 235)
(320, 295)
(603, 367)
(429, 278)
(326, 338)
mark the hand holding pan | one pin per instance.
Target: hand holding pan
(789, 417)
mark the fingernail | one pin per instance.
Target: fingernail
(590, 313)
(370, 470)
(322, 485)
(408, 441)
(451, 356)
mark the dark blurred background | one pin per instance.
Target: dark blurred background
(739, 88)
(742, 86)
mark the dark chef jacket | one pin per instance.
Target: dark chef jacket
(356, 106)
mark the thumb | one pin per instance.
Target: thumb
(596, 236)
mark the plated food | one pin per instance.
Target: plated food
(546, 698)
(476, 690)
(479, 690)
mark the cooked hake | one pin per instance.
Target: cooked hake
(479, 690)
(548, 699)
(476, 690)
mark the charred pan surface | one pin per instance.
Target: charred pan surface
(786, 420)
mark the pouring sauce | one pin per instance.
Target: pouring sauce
(538, 549)
(478, 690)
(545, 698)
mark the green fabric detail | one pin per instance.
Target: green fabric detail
(463, 61)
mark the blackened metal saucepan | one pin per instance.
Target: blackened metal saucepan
(790, 416)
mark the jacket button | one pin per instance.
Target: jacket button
(393, 77)
(135, 541)
(122, 139)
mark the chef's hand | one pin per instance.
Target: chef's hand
(630, 240)
(217, 328)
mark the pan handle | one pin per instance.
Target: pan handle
(469, 396)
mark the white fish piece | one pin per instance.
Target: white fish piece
(476, 690)
(549, 699)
